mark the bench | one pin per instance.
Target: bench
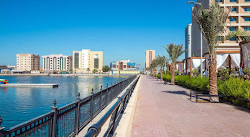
(200, 94)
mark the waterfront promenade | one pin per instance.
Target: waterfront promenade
(166, 111)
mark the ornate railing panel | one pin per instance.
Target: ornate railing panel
(70, 119)
(113, 114)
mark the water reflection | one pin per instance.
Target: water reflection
(20, 104)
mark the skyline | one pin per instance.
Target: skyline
(116, 28)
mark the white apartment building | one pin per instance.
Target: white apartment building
(188, 39)
(28, 62)
(57, 63)
(86, 61)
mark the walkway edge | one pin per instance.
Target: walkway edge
(124, 127)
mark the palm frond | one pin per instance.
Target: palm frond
(212, 22)
(174, 51)
(242, 35)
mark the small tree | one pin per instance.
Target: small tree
(153, 67)
(174, 52)
(94, 71)
(106, 69)
(161, 61)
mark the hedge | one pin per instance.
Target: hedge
(236, 91)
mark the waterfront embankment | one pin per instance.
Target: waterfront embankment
(66, 75)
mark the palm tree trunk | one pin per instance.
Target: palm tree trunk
(172, 74)
(213, 78)
(161, 74)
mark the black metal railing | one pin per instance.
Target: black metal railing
(113, 113)
(70, 119)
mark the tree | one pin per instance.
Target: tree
(94, 71)
(153, 67)
(212, 23)
(241, 35)
(106, 69)
(174, 52)
(161, 61)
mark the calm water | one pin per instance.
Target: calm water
(20, 104)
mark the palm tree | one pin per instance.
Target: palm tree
(212, 22)
(174, 52)
(241, 35)
(161, 61)
(153, 67)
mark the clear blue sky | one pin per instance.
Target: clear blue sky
(121, 29)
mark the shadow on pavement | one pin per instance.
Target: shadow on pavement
(177, 92)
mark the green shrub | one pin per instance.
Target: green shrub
(224, 74)
(235, 90)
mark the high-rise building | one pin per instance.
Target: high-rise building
(57, 63)
(150, 55)
(86, 61)
(239, 19)
(28, 62)
(188, 40)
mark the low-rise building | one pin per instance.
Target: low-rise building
(124, 67)
(57, 63)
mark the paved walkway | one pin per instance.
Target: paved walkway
(166, 111)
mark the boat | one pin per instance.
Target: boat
(3, 81)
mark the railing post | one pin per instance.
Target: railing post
(92, 104)
(190, 94)
(101, 98)
(106, 96)
(111, 90)
(113, 121)
(1, 128)
(77, 114)
(54, 122)
(196, 97)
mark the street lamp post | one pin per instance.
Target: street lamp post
(197, 3)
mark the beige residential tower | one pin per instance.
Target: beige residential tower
(150, 55)
(86, 61)
(28, 62)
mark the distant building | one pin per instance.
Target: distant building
(150, 56)
(124, 67)
(57, 63)
(28, 62)
(3, 67)
(86, 61)
(188, 39)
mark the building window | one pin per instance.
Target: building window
(218, 0)
(96, 61)
(247, 19)
(233, 39)
(247, 9)
(220, 39)
(247, 28)
(76, 60)
(233, 19)
(234, 10)
(232, 29)
(233, 0)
